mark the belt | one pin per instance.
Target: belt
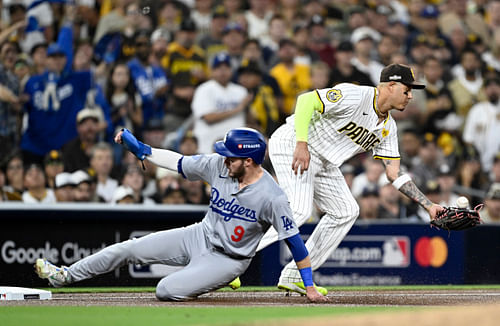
(233, 256)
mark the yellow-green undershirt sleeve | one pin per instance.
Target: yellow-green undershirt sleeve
(306, 104)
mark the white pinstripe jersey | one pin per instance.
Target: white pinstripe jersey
(348, 125)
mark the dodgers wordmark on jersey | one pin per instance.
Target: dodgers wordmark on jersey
(237, 219)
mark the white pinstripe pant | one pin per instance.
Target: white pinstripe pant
(322, 184)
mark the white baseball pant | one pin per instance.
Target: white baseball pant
(322, 184)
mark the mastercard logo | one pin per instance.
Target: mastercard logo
(431, 251)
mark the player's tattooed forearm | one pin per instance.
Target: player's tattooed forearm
(411, 190)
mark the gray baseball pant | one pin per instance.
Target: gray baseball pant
(206, 269)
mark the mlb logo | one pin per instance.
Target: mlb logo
(240, 146)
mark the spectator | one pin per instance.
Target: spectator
(218, 104)
(410, 147)
(133, 178)
(391, 206)
(447, 182)
(122, 96)
(123, 195)
(305, 55)
(196, 192)
(429, 29)
(470, 175)
(430, 158)
(83, 190)
(15, 175)
(293, 78)
(189, 144)
(185, 63)
(234, 39)
(419, 49)
(36, 191)
(38, 54)
(150, 80)
(387, 46)
(212, 42)
(112, 21)
(258, 17)
(467, 86)
(101, 161)
(320, 75)
(233, 7)
(76, 152)
(201, 14)
(345, 71)
(364, 40)
(169, 18)
(56, 96)
(319, 40)
(491, 211)
(5, 194)
(22, 70)
(369, 203)
(277, 32)
(374, 171)
(483, 123)
(253, 52)
(437, 97)
(10, 104)
(54, 165)
(165, 179)
(432, 190)
(493, 10)
(264, 110)
(173, 196)
(495, 170)
(64, 187)
(492, 57)
(457, 14)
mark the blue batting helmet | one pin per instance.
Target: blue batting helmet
(242, 142)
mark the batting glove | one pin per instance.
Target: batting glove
(139, 149)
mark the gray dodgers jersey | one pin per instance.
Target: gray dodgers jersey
(237, 219)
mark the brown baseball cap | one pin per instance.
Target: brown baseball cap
(401, 74)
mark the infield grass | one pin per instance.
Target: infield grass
(141, 316)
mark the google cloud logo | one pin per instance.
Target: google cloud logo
(431, 251)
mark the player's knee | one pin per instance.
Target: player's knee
(164, 292)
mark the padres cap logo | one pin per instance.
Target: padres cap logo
(334, 95)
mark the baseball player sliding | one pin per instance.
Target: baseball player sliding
(244, 203)
(329, 127)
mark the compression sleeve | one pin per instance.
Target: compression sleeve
(164, 158)
(306, 104)
(297, 247)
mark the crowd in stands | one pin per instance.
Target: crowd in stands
(180, 73)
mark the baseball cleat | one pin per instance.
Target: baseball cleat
(235, 284)
(57, 276)
(299, 287)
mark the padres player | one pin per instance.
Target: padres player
(244, 203)
(330, 126)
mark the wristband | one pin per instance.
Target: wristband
(401, 180)
(307, 278)
(139, 149)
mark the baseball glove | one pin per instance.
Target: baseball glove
(456, 219)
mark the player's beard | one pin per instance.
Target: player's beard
(238, 172)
